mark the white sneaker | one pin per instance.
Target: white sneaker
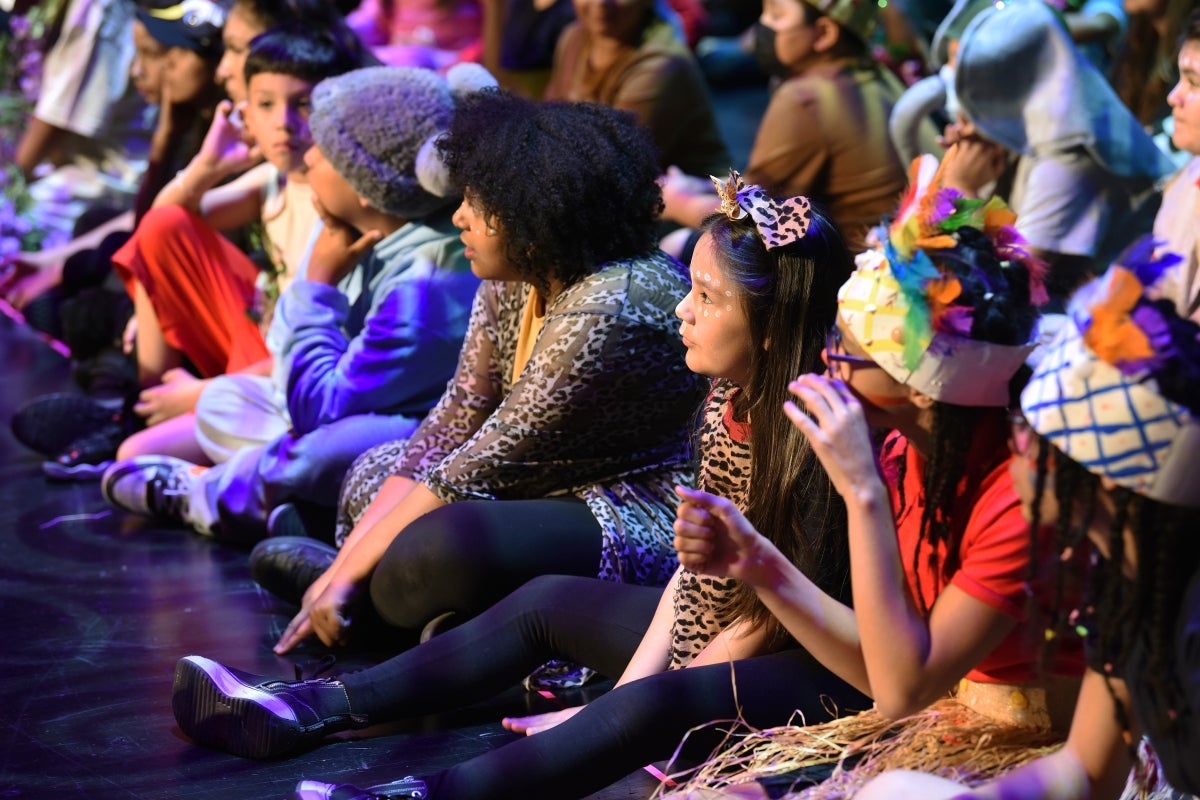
(151, 486)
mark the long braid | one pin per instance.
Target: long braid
(953, 431)
(1066, 537)
(902, 471)
(1114, 608)
(1161, 535)
(1123, 613)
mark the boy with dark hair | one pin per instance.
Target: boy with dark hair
(349, 373)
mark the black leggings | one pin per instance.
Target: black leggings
(599, 624)
(465, 556)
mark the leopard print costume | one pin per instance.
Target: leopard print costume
(602, 411)
(724, 471)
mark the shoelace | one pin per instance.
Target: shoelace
(167, 494)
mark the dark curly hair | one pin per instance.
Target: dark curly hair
(999, 294)
(789, 295)
(571, 186)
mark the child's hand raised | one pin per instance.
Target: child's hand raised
(338, 248)
(838, 433)
(227, 148)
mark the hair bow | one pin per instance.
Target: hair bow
(779, 222)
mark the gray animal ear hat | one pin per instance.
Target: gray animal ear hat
(953, 25)
(373, 125)
(1025, 85)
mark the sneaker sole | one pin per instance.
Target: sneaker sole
(216, 709)
(76, 472)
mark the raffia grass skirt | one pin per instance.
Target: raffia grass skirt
(971, 738)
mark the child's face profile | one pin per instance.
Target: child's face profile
(236, 34)
(276, 116)
(486, 246)
(333, 191)
(149, 65)
(1184, 99)
(715, 329)
(187, 76)
(794, 37)
(1025, 446)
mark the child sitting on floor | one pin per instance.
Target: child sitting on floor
(349, 373)
(1105, 452)
(196, 296)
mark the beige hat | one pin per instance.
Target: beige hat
(897, 302)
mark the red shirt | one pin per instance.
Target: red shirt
(994, 553)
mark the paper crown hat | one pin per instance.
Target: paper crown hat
(1118, 391)
(900, 306)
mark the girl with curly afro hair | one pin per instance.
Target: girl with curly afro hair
(556, 446)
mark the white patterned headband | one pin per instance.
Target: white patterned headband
(778, 222)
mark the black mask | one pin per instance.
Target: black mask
(764, 52)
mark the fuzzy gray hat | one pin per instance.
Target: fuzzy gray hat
(372, 123)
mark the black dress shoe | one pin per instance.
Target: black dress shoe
(287, 565)
(256, 717)
(406, 788)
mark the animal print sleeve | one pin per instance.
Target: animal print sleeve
(605, 395)
(471, 395)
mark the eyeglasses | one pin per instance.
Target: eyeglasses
(1021, 434)
(835, 352)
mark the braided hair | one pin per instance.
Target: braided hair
(1121, 611)
(998, 292)
(1124, 612)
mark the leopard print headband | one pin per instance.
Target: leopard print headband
(779, 222)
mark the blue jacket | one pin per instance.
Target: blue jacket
(390, 350)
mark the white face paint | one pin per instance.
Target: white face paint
(715, 329)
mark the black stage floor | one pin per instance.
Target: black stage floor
(96, 607)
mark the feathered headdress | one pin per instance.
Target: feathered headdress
(905, 310)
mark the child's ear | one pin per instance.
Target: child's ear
(828, 34)
(362, 201)
(920, 399)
